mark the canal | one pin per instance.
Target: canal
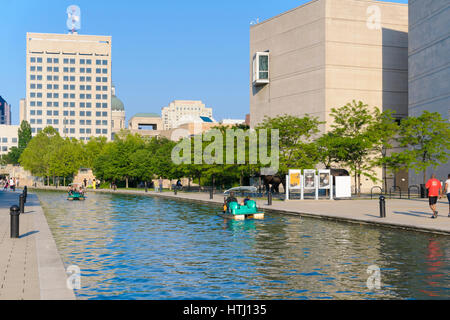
(138, 247)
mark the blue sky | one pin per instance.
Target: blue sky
(162, 50)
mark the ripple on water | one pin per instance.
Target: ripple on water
(132, 247)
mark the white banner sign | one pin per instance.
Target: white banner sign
(343, 187)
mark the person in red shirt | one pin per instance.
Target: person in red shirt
(434, 191)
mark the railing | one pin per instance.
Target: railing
(375, 187)
(395, 188)
(412, 187)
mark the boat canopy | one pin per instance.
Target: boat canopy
(250, 189)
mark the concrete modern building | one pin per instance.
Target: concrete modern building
(5, 112)
(8, 138)
(117, 113)
(69, 84)
(232, 122)
(146, 124)
(189, 126)
(429, 65)
(326, 53)
(181, 108)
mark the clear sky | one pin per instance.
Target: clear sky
(161, 50)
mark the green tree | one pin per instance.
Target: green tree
(426, 140)
(113, 163)
(66, 160)
(297, 148)
(37, 155)
(356, 129)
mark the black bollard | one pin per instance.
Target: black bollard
(211, 193)
(25, 193)
(14, 211)
(382, 207)
(269, 198)
(22, 203)
(175, 190)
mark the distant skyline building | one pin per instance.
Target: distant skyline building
(177, 109)
(117, 113)
(429, 67)
(8, 138)
(68, 84)
(146, 124)
(5, 112)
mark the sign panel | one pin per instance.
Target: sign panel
(309, 178)
(295, 177)
(324, 179)
(343, 187)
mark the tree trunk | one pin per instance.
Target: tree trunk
(425, 176)
(48, 181)
(126, 182)
(64, 181)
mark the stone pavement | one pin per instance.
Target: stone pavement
(30, 266)
(411, 214)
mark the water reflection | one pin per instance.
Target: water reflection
(132, 247)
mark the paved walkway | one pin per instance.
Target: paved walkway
(411, 214)
(30, 266)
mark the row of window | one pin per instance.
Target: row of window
(72, 130)
(34, 77)
(69, 113)
(69, 70)
(5, 140)
(69, 61)
(68, 87)
(69, 122)
(87, 96)
(67, 104)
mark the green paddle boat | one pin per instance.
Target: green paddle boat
(75, 194)
(242, 212)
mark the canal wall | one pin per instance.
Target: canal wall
(412, 215)
(30, 265)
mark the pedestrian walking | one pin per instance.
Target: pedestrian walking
(434, 192)
(12, 184)
(447, 191)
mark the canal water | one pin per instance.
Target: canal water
(137, 247)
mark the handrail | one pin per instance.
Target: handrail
(409, 190)
(395, 187)
(371, 191)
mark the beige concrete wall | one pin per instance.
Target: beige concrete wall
(323, 54)
(296, 42)
(366, 63)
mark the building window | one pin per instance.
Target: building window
(261, 68)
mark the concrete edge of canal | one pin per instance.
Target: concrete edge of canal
(51, 270)
(367, 221)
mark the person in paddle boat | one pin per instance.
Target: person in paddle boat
(246, 199)
(231, 198)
